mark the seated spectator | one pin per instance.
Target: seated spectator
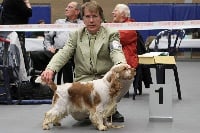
(54, 40)
(130, 42)
(128, 38)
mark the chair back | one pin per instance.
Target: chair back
(176, 35)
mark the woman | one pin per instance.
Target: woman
(95, 49)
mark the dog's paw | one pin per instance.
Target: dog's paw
(102, 128)
(109, 124)
(45, 127)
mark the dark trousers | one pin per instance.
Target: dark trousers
(67, 72)
(40, 60)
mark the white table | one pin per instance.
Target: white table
(186, 43)
(34, 44)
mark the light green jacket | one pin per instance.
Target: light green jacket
(101, 54)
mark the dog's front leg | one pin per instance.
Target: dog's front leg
(50, 118)
(109, 110)
(53, 116)
(97, 120)
(46, 122)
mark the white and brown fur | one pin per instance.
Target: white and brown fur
(97, 97)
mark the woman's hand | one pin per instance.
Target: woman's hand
(47, 75)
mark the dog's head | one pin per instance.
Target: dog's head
(52, 85)
(116, 73)
(123, 71)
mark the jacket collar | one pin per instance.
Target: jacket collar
(74, 21)
(98, 42)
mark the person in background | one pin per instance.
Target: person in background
(38, 34)
(55, 40)
(18, 12)
(128, 38)
(92, 46)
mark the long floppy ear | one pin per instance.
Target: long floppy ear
(111, 76)
(133, 71)
(115, 85)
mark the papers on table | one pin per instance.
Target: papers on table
(151, 54)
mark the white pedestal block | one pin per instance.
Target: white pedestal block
(160, 102)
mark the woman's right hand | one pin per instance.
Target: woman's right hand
(47, 75)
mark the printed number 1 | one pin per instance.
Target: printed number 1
(160, 92)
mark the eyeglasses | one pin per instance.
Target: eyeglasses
(88, 17)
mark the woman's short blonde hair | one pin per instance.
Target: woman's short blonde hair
(92, 6)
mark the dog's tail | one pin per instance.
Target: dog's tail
(52, 85)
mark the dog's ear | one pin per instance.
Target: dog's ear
(115, 86)
(110, 76)
(133, 71)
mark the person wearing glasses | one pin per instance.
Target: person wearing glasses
(95, 49)
(55, 40)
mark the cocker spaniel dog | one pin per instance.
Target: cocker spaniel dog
(97, 97)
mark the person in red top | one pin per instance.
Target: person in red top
(128, 38)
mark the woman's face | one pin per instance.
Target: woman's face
(92, 21)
